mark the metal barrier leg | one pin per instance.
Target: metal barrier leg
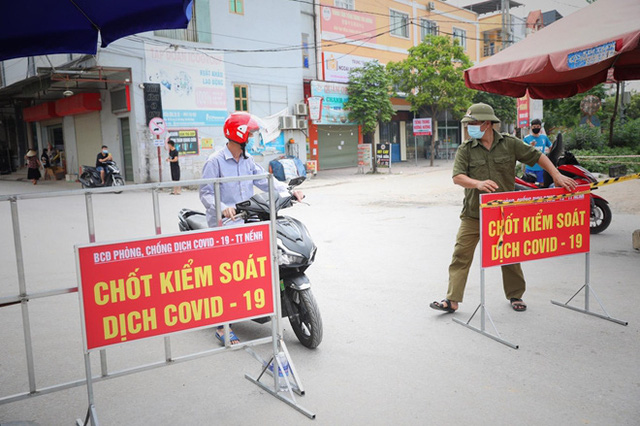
(483, 315)
(22, 285)
(587, 291)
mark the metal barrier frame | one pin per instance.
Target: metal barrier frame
(294, 384)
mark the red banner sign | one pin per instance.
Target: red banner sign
(516, 232)
(138, 289)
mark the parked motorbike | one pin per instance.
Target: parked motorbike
(296, 252)
(90, 177)
(569, 166)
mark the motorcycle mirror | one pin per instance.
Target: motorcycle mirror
(296, 181)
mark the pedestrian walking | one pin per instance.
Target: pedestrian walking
(33, 165)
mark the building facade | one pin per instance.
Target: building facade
(235, 56)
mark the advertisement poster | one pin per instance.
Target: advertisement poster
(258, 146)
(337, 66)
(192, 85)
(341, 23)
(513, 233)
(334, 96)
(186, 141)
(151, 287)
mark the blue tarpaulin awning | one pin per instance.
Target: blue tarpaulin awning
(41, 27)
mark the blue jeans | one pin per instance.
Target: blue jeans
(539, 174)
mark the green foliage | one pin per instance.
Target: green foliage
(627, 134)
(601, 165)
(432, 77)
(567, 113)
(633, 109)
(584, 137)
(369, 100)
(504, 106)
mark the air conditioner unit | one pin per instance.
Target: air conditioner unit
(287, 122)
(303, 123)
(300, 109)
(431, 5)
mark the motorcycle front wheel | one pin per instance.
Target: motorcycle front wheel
(117, 181)
(305, 318)
(600, 216)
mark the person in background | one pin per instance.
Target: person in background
(33, 165)
(103, 157)
(539, 142)
(232, 160)
(46, 163)
(486, 163)
(175, 166)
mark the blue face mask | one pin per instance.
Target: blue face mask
(105, 151)
(475, 132)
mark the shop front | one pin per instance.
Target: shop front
(333, 139)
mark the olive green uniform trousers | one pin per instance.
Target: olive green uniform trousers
(466, 242)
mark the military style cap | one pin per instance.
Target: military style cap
(480, 112)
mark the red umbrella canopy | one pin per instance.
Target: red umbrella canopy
(568, 57)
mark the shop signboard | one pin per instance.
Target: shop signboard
(422, 126)
(337, 66)
(383, 155)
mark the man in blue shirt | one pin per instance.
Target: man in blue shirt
(541, 143)
(232, 160)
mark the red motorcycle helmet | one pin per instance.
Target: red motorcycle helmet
(239, 126)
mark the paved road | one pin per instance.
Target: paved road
(384, 243)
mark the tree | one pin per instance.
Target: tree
(369, 101)
(503, 106)
(566, 112)
(432, 78)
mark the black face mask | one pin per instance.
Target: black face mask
(536, 131)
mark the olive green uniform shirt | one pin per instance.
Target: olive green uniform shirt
(497, 164)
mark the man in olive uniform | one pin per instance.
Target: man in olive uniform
(486, 163)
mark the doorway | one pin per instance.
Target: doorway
(127, 155)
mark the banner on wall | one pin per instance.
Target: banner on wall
(334, 96)
(337, 23)
(192, 85)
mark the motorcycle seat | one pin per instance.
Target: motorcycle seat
(197, 221)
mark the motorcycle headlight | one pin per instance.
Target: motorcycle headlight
(288, 257)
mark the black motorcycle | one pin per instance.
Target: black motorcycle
(296, 252)
(90, 177)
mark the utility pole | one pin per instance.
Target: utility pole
(506, 24)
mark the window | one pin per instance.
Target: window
(236, 6)
(428, 28)
(461, 36)
(199, 28)
(345, 4)
(240, 95)
(399, 23)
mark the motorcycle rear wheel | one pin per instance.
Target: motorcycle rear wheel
(305, 320)
(600, 216)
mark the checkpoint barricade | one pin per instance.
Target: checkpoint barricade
(522, 226)
(146, 287)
